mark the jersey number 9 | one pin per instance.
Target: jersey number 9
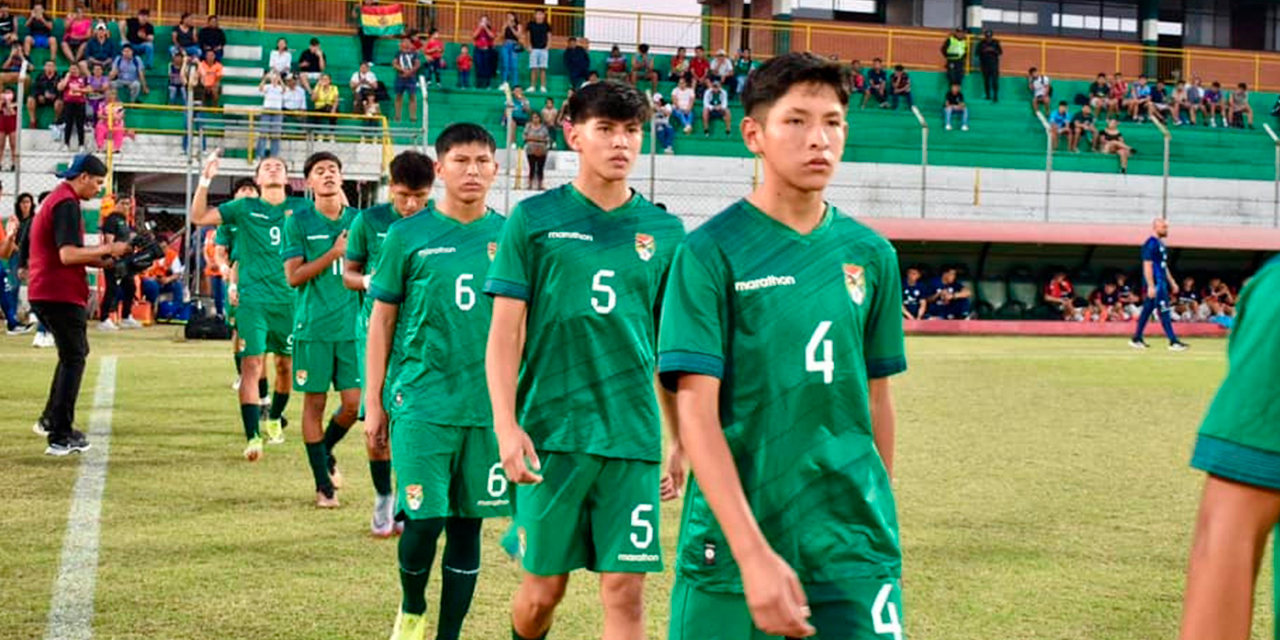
(275, 236)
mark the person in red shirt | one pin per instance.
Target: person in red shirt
(1060, 295)
(75, 89)
(700, 69)
(463, 65)
(434, 52)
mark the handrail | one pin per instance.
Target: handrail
(1164, 194)
(1275, 139)
(1048, 160)
(422, 88)
(924, 159)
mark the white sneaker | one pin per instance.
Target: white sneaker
(544, 90)
(964, 127)
(39, 429)
(688, 129)
(383, 523)
(1178, 346)
(21, 330)
(107, 325)
(948, 127)
(130, 323)
(43, 340)
(1138, 344)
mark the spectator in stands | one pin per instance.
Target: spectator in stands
(679, 66)
(1083, 125)
(213, 38)
(1060, 124)
(915, 297)
(715, 106)
(1129, 299)
(743, 66)
(577, 61)
(139, 33)
(127, 73)
(101, 49)
(642, 68)
(666, 136)
(281, 58)
(312, 62)
(118, 291)
(551, 117)
(1159, 106)
(110, 123)
(1116, 98)
(75, 90)
(615, 66)
(295, 99)
(1178, 104)
(463, 64)
(1241, 112)
(433, 54)
(682, 99)
(99, 82)
(45, 94)
(954, 102)
(877, 84)
(989, 52)
(1099, 93)
(8, 28)
(185, 36)
(324, 99)
(484, 38)
(1213, 105)
(1041, 90)
(1188, 308)
(722, 69)
(1060, 295)
(40, 32)
(368, 41)
(1219, 298)
(365, 87)
(270, 120)
(1105, 304)
(900, 84)
(1139, 100)
(699, 70)
(512, 35)
(1110, 140)
(539, 50)
(955, 49)
(407, 63)
(857, 82)
(210, 70)
(77, 29)
(592, 78)
(1195, 102)
(11, 70)
(520, 108)
(537, 141)
(165, 275)
(950, 299)
(178, 74)
(8, 130)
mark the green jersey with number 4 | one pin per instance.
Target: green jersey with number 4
(258, 238)
(326, 309)
(593, 283)
(364, 244)
(794, 327)
(431, 266)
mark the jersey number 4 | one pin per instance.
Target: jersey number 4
(884, 614)
(823, 362)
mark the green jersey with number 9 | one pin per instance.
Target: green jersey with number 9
(794, 326)
(593, 283)
(326, 309)
(257, 239)
(431, 266)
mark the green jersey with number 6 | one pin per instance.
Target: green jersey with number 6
(326, 309)
(794, 326)
(364, 245)
(431, 266)
(257, 240)
(593, 283)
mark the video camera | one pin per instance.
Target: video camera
(144, 250)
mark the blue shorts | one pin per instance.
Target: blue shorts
(41, 41)
(538, 58)
(405, 85)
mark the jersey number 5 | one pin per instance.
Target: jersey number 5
(603, 304)
(824, 362)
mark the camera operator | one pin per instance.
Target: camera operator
(59, 291)
(120, 287)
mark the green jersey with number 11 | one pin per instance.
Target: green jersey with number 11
(257, 239)
(326, 309)
(794, 326)
(593, 283)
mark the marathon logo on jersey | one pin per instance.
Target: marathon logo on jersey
(638, 557)
(431, 251)
(571, 235)
(855, 280)
(645, 246)
(493, 250)
(413, 496)
(764, 283)
(301, 376)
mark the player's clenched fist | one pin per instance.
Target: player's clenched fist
(518, 456)
(774, 595)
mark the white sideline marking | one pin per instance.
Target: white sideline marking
(71, 609)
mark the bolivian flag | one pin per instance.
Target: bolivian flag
(381, 19)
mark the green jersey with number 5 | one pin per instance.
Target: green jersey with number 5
(257, 240)
(593, 283)
(432, 266)
(326, 309)
(794, 326)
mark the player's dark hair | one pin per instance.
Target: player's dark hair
(244, 183)
(318, 157)
(413, 170)
(609, 100)
(777, 76)
(463, 133)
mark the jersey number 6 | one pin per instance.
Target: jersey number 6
(464, 296)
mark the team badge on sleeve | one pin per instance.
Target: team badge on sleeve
(493, 250)
(645, 246)
(301, 375)
(855, 281)
(413, 495)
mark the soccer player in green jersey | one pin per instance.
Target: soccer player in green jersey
(1239, 447)
(781, 325)
(324, 330)
(264, 318)
(426, 377)
(412, 175)
(580, 271)
(224, 257)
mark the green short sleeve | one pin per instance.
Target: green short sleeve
(883, 343)
(691, 336)
(509, 275)
(232, 211)
(294, 236)
(358, 240)
(387, 283)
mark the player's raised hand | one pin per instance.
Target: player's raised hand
(672, 484)
(518, 456)
(340, 245)
(210, 170)
(375, 427)
(777, 602)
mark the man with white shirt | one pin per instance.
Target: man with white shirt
(1041, 90)
(363, 85)
(295, 97)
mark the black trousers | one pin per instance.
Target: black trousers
(69, 325)
(73, 120)
(366, 47)
(118, 290)
(955, 71)
(991, 80)
(537, 167)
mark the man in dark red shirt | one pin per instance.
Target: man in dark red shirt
(700, 70)
(59, 292)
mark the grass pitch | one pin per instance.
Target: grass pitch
(1043, 491)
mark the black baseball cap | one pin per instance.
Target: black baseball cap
(86, 163)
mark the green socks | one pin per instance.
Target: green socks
(417, 551)
(380, 471)
(319, 470)
(460, 567)
(249, 415)
(278, 401)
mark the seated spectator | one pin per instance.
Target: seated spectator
(1041, 89)
(699, 70)
(324, 99)
(642, 68)
(8, 28)
(45, 93)
(1178, 104)
(1219, 299)
(682, 99)
(1241, 112)
(165, 275)
(1116, 98)
(1060, 295)
(311, 62)
(877, 85)
(433, 52)
(715, 106)
(949, 299)
(463, 64)
(101, 49)
(1159, 106)
(537, 141)
(1194, 104)
(1187, 307)
(139, 33)
(110, 123)
(679, 66)
(857, 81)
(900, 85)
(1130, 301)
(1099, 92)
(615, 66)
(662, 124)
(520, 108)
(295, 98)
(1105, 304)
(365, 87)
(40, 32)
(954, 102)
(11, 70)
(212, 38)
(1082, 126)
(577, 61)
(127, 73)
(592, 78)
(915, 297)
(76, 32)
(99, 82)
(281, 58)
(743, 66)
(1213, 105)
(210, 71)
(722, 69)
(178, 74)
(185, 37)
(1139, 99)
(1110, 140)
(407, 64)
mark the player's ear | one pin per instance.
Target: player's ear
(753, 135)
(571, 136)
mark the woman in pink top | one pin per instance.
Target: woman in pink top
(79, 28)
(74, 88)
(486, 57)
(110, 122)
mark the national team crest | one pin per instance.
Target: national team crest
(493, 250)
(301, 376)
(413, 495)
(399, 399)
(645, 246)
(855, 280)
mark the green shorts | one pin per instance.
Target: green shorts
(231, 316)
(444, 471)
(362, 337)
(590, 512)
(873, 612)
(316, 365)
(265, 328)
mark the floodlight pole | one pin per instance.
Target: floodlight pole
(924, 159)
(1164, 189)
(1048, 161)
(422, 88)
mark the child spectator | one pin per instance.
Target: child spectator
(877, 85)
(642, 68)
(949, 299)
(45, 93)
(682, 99)
(954, 102)
(110, 122)
(1213, 105)
(520, 108)
(615, 66)
(101, 50)
(213, 38)
(1041, 89)
(178, 79)
(40, 32)
(8, 129)
(539, 44)
(592, 78)
(715, 106)
(1060, 295)
(679, 66)
(184, 37)
(407, 64)
(98, 85)
(312, 62)
(77, 29)
(434, 53)
(666, 136)
(900, 83)
(1082, 125)
(139, 33)
(281, 59)
(75, 89)
(210, 71)
(364, 87)
(551, 118)
(1060, 124)
(699, 70)
(857, 81)
(537, 140)
(1241, 112)
(373, 117)
(1139, 100)
(127, 73)
(577, 61)
(324, 100)
(1179, 104)
(463, 64)
(915, 303)
(1110, 140)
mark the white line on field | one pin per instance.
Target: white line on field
(71, 609)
